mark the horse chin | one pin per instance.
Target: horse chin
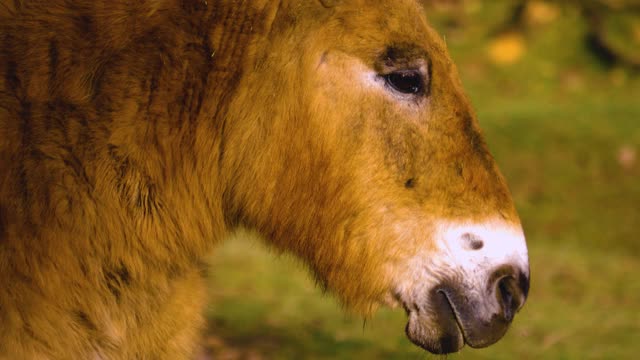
(436, 329)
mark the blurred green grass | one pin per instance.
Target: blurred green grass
(559, 124)
(583, 305)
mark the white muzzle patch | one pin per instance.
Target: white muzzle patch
(468, 251)
(477, 249)
(468, 254)
(467, 289)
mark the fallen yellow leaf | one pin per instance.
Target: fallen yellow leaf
(541, 12)
(507, 48)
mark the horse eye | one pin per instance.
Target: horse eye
(406, 82)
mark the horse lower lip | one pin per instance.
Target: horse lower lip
(437, 330)
(452, 311)
(473, 331)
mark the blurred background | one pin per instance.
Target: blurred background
(556, 85)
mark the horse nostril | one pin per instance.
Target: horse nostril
(511, 292)
(507, 298)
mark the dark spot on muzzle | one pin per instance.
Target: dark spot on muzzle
(472, 241)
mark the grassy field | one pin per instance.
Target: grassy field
(564, 130)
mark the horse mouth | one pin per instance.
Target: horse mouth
(451, 312)
(438, 330)
(451, 319)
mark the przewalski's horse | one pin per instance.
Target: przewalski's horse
(135, 134)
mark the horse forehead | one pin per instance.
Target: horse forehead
(386, 5)
(388, 23)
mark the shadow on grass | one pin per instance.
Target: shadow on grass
(226, 340)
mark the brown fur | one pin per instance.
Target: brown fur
(135, 134)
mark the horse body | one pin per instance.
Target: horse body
(136, 135)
